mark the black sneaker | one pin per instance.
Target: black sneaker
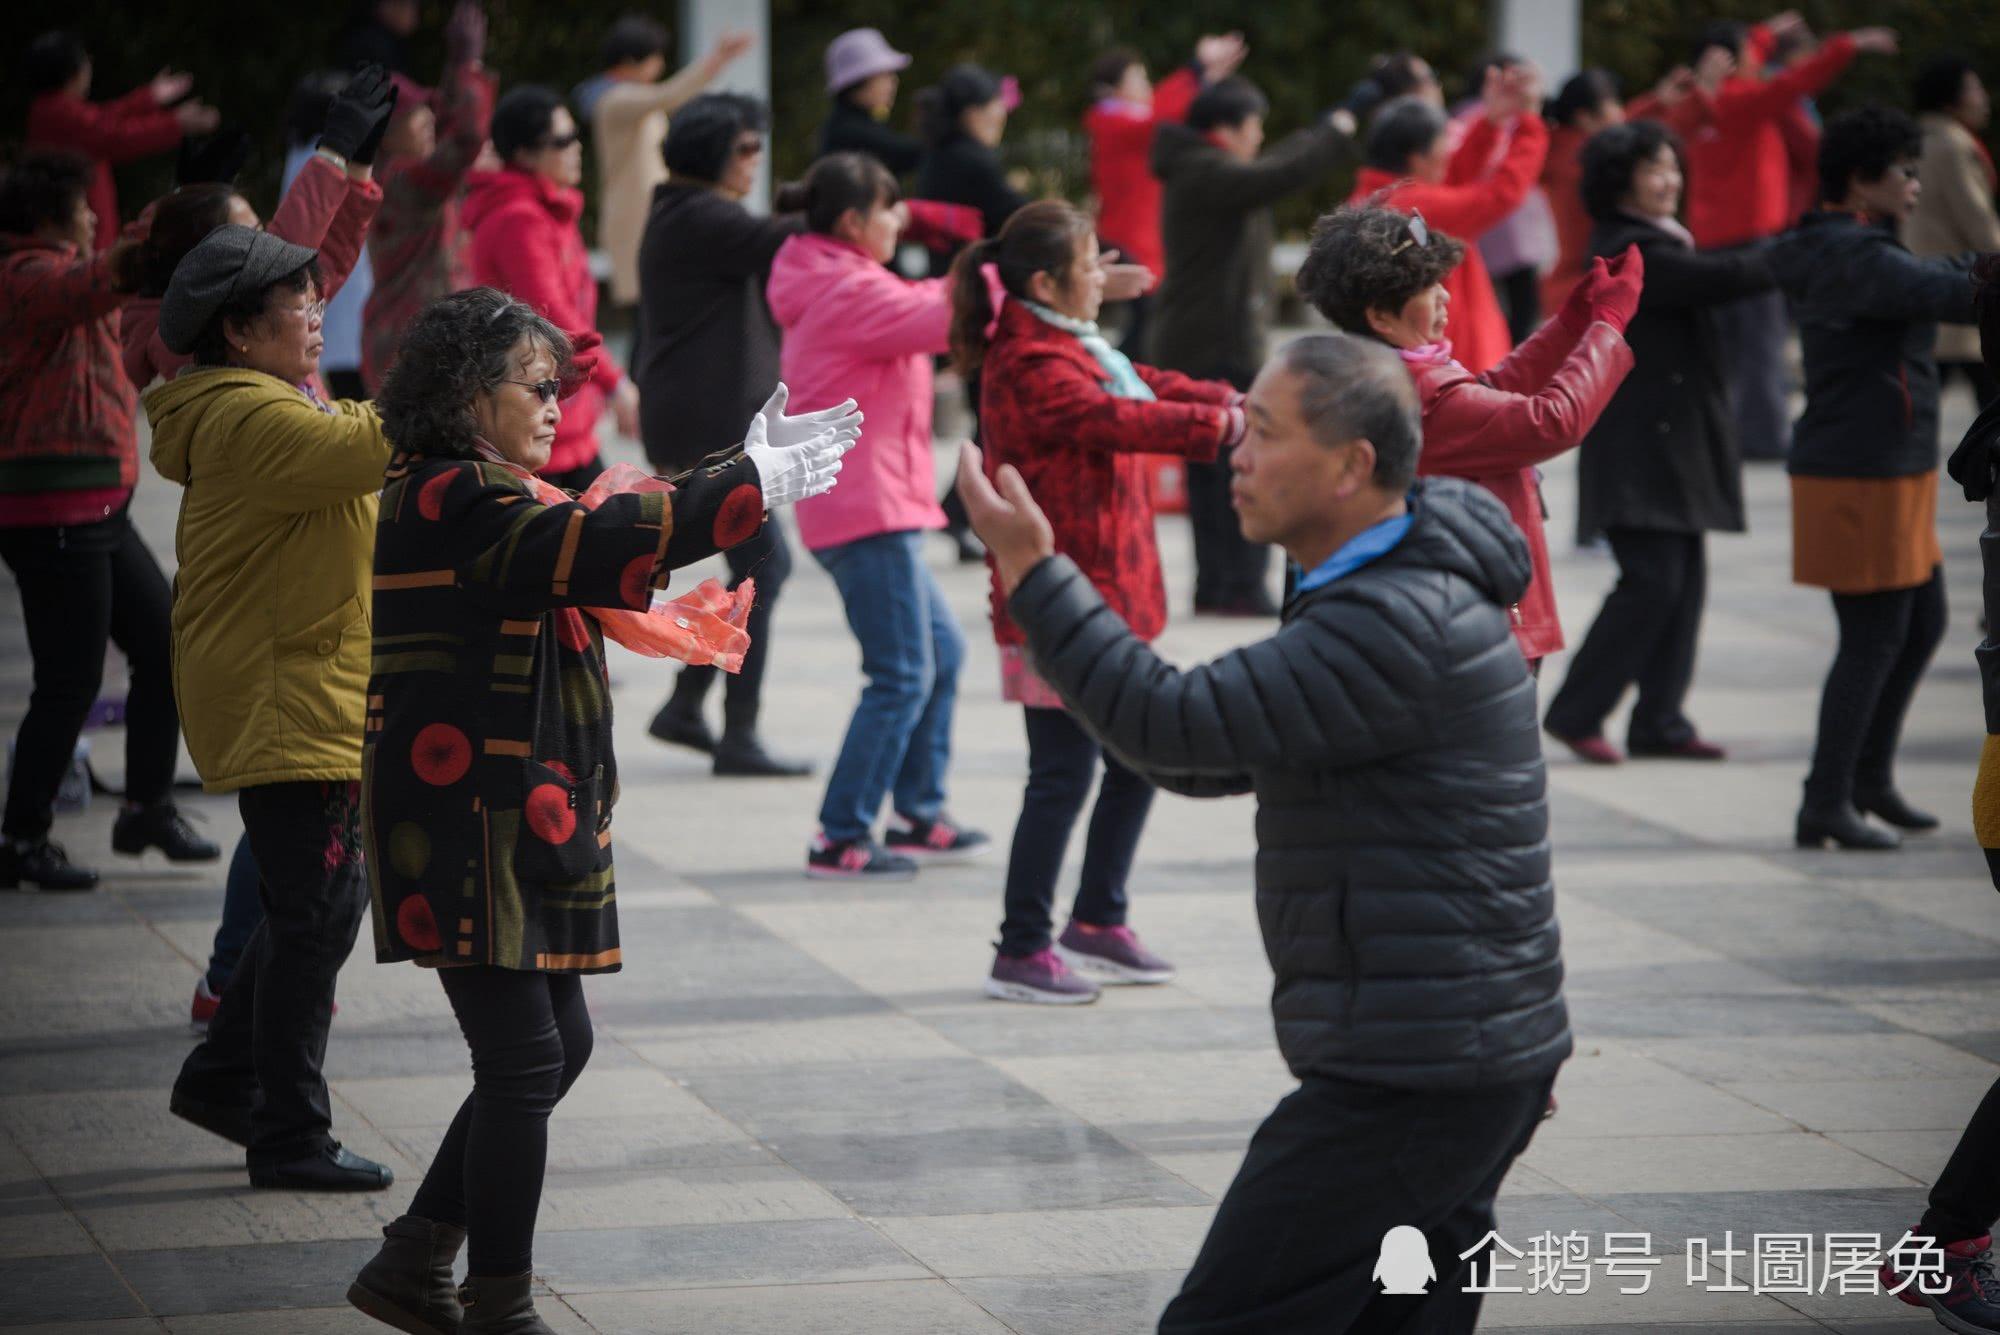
(677, 727)
(937, 840)
(335, 1168)
(163, 827)
(42, 864)
(855, 860)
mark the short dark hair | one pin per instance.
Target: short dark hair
(1403, 129)
(633, 37)
(836, 183)
(211, 345)
(42, 187)
(1725, 33)
(1940, 83)
(1226, 103)
(1862, 145)
(961, 88)
(1360, 259)
(1357, 388)
(1610, 158)
(1109, 68)
(305, 115)
(181, 219)
(458, 347)
(52, 60)
(522, 116)
(702, 135)
(1586, 91)
(1397, 74)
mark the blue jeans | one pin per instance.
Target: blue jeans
(899, 740)
(242, 910)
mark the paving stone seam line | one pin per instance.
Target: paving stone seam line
(145, 1308)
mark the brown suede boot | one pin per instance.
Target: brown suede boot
(502, 1305)
(408, 1283)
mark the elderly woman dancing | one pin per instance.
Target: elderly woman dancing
(488, 776)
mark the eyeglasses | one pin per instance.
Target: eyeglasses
(748, 148)
(548, 391)
(559, 140)
(310, 312)
(1420, 235)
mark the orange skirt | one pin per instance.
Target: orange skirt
(1864, 534)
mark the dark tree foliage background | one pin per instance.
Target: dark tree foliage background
(1305, 53)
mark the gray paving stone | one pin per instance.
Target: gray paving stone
(1127, 1304)
(719, 1255)
(72, 1288)
(899, 1307)
(275, 1276)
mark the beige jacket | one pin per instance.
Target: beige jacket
(1955, 213)
(629, 125)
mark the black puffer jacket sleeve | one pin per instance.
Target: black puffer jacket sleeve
(1321, 693)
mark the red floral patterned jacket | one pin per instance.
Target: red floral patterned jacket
(1043, 408)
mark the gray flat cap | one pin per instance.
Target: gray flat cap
(230, 262)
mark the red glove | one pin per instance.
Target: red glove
(1610, 291)
(940, 226)
(583, 357)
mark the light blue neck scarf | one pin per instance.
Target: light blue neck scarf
(1124, 382)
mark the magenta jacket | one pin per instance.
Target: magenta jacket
(855, 330)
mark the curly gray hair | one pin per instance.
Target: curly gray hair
(457, 348)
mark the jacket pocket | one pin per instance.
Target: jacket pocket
(321, 672)
(565, 824)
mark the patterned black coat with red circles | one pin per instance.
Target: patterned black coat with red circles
(487, 773)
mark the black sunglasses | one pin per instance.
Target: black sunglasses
(548, 391)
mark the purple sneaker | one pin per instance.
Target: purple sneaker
(940, 840)
(1115, 954)
(1971, 1305)
(1041, 978)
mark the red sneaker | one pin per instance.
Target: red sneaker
(1592, 750)
(1971, 1298)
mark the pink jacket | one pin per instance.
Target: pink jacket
(324, 210)
(855, 330)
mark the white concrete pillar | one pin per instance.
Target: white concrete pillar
(1548, 32)
(702, 21)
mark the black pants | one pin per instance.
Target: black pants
(1062, 760)
(767, 558)
(1229, 569)
(1985, 384)
(579, 478)
(1520, 293)
(267, 1042)
(530, 1037)
(81, 587)
(1333, 1168)
(1645, 633)
(1886, 641)
(1965, 1202)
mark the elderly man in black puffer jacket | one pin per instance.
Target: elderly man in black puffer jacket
(1388, 730)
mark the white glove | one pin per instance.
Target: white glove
(843, 418)
(793, 473)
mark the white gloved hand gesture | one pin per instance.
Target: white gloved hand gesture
(843, 419)
(793, 473)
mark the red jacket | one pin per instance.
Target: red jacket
(1484, 184)
(1083, 452)
(525, 242)
(1562, 182)
(68, 454)
(417, 248)
(110, 134)
(1495, 428)
(324, 210)
(1121, 172)
(1739, 184)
